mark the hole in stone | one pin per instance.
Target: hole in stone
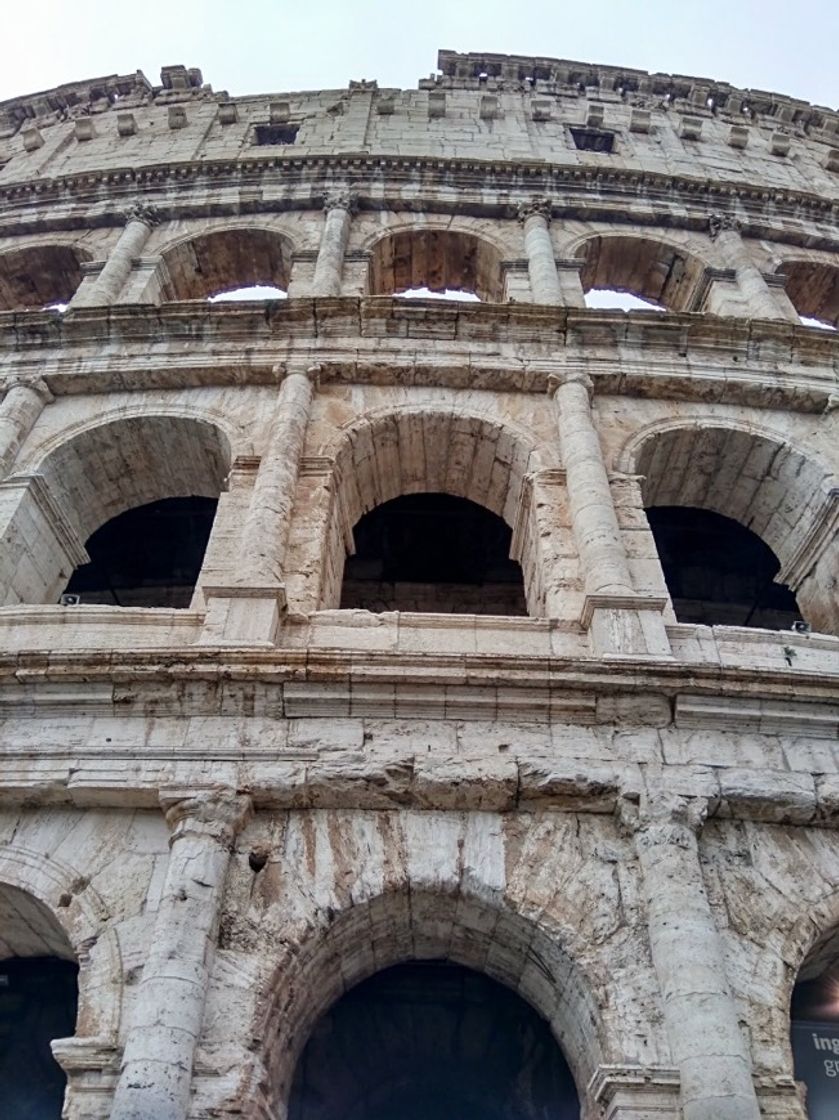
(257, 860)
(593, 140)
(272, 134)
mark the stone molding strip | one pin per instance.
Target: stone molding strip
(755, 200)
(325, 683)
(535, 781)
(799, 363)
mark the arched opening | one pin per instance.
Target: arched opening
(770, 489)
(435, 455)
(433, 552)
(149, 556)
(719, 573)
(262, 292)
(39, 276)
(447, 293)
(652, 271)
(814, 1028)
(813, 289)
(438, 262)
(221, 262)
(429, 1040)
(38, 1003)
(543, 962)
(603, 299)
(136, 464)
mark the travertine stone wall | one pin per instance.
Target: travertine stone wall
(231, 814)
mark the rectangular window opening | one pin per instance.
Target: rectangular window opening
(265, 134)
(593, 139)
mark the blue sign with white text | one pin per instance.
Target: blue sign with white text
(815, 1047)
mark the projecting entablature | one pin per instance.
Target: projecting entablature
(493, 110)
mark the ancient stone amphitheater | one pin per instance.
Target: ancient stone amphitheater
(411, 706)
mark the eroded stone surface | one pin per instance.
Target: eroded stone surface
(231, 814)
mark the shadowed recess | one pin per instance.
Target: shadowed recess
(39, 276)
(38, 1003)
(225, 260)
(433, 552)
(650, 270)
(431, 1040)
(438, 260)
(718, 572)
(147, 557)
(814, 1027)
(814, 290)
(38, 998)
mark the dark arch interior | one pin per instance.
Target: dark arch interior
(813, 289)
(432, 1041)
(147, 557)
(639, 266)
(433, 552)
(440, 260)
(224, 260)
(718, 572)
(38, 277)
(38, 998)
(814, 1030)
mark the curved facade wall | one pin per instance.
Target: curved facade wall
(229, 815)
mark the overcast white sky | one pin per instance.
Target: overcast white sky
(261, 46)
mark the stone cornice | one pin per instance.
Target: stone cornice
(321, 680)
(354, 687)
(767, 363)
(472, 69)
(592, 192)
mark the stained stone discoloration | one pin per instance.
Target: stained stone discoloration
(231, 814)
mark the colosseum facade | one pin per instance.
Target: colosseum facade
(417, 706)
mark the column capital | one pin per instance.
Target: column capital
(538, 205)
(719, 223)
(36, 385)
(141, 212)
(218, 813)
(341, 198)
(661, 817)
(312, 372)
(570, 377)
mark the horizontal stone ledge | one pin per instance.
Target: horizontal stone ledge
(319, 681)
(493, 783)
(687, 356)
(311, 174)
(574, 704)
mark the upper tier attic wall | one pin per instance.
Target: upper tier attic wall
(678, 127)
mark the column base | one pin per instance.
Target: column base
(243, 615)
(626, 625)
(636, 1092)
